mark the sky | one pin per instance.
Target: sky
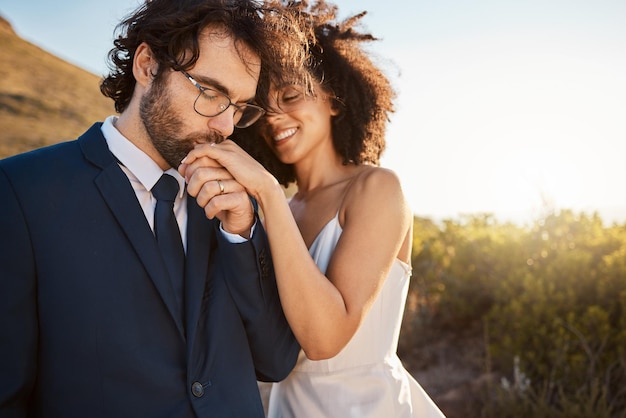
(508, 107)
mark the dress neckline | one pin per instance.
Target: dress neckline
(333, 220)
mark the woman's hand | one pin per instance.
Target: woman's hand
(218, 193)
(239, 166)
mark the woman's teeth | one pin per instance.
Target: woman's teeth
(285, 134)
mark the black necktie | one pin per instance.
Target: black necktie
(167, 233)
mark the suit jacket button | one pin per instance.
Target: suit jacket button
(197, 389)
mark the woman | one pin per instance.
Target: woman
(341, 246)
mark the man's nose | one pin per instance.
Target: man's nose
(223, 123)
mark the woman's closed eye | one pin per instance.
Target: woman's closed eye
(291, 95)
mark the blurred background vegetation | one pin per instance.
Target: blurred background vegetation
(529, 320)
(502, 320)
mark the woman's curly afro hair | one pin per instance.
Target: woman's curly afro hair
(363, 94)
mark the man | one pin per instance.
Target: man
(97, 319)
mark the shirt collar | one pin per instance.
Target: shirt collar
(135, 160)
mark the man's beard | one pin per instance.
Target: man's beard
(164, 126)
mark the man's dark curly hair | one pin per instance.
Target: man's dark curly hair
(171, 29)
(363, 94)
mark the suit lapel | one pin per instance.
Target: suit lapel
(121, 199)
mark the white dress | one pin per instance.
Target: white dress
(366, 379)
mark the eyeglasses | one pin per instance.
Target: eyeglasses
(292, 96)
(211, 102)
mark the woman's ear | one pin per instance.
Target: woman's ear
(337, 106)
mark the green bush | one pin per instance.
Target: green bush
(551, 298)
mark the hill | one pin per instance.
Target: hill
(43, 99)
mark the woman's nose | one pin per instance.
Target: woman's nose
(273, 116)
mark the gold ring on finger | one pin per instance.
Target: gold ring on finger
(219, 183)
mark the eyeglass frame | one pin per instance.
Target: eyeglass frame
(238, 108)
(306, 95)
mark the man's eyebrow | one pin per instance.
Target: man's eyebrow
(216, 85)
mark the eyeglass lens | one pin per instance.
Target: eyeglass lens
(212, 103)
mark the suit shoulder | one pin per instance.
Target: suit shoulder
(37, 157)
(51, 152)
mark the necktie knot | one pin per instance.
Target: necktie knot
(166, 188)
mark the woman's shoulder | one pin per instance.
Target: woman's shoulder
(375, 187)
(375, 177)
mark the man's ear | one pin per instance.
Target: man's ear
(144, 65)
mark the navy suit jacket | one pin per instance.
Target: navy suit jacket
(88, 325)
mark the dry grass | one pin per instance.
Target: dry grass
(43, 99)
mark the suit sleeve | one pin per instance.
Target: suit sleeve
(252, 283)
(18, 311)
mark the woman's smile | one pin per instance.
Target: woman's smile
(287, 133)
